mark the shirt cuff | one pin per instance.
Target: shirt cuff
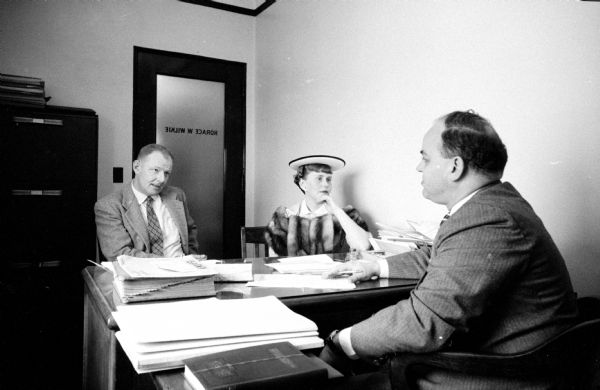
(384, 268)
(346, 343)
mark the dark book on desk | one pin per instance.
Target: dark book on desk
(267, 366)
(150, 279)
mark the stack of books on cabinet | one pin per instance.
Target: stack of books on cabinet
(22, 91)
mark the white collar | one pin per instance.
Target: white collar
(304, 210)
(141, 198)
(461, 202)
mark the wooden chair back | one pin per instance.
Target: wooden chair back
(254, 235)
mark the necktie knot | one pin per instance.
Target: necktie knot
(444, 219)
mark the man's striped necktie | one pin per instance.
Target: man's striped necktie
(154, 231)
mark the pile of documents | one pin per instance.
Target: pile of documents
(159, 336)
(307, 265)
(394, 239)
(145, 279)
(302, 272)
(229, 272)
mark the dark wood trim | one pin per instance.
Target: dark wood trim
(233, 8)
(233, 74)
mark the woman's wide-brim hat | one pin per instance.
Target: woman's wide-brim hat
(334, 163)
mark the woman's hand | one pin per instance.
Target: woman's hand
(330, 205)
(356, 237)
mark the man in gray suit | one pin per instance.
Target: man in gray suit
(146, 218)
(493, 280)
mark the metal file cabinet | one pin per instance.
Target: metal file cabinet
(48, 188)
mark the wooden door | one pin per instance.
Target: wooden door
(196, 107)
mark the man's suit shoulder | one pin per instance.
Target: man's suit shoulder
(115, 197)
(118, 196)
(171, 192)
(502, 205)
(499, 200)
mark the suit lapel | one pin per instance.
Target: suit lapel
(177, 213)
(134, 216)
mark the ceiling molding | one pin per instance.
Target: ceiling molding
(232, 8)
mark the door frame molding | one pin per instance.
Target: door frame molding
(147, 63)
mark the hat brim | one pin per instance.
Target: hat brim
(333, 162)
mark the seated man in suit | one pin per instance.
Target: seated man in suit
(493, 281)
(147, 218)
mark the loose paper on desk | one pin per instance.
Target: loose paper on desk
(158, 336)
(413, 231)
(209, 318)
(162, 267)
(168, 359)
(322, 259)
(230, 272)
(392, 246)
(301, 281)
(313, 264)
(188, 344)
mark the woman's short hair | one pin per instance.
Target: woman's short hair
(303, 170)
(473, 138)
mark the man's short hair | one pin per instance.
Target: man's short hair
(473, 138)
(150, 148)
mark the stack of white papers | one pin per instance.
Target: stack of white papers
(393, 239)
(160, 336)
(147, 279)
(163, 267)
(301, 281)
(230, 272)
(312, 265)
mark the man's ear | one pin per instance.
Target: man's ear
(136, 166)
(457, 169)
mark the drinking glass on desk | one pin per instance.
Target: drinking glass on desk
(354, 254)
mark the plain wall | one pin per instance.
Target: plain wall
(364, 80)
(360, 79)
(83, 50)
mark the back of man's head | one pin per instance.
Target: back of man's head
(473, 138)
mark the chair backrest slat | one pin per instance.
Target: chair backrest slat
(253, 235)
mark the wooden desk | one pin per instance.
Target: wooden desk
(105, 365)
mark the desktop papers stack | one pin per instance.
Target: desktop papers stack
(302, 272)
(230, 272)
(306, 265)
(393, 239)
(159, 336)
(147, 279)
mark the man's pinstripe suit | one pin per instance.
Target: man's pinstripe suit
(493, 281)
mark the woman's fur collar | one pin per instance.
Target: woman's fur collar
(296, 236)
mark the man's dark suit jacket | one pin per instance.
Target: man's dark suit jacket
(493, 282)
(122, 230)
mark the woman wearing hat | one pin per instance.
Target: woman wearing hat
(316, 224)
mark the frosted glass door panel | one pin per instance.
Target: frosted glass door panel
(190, 123)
